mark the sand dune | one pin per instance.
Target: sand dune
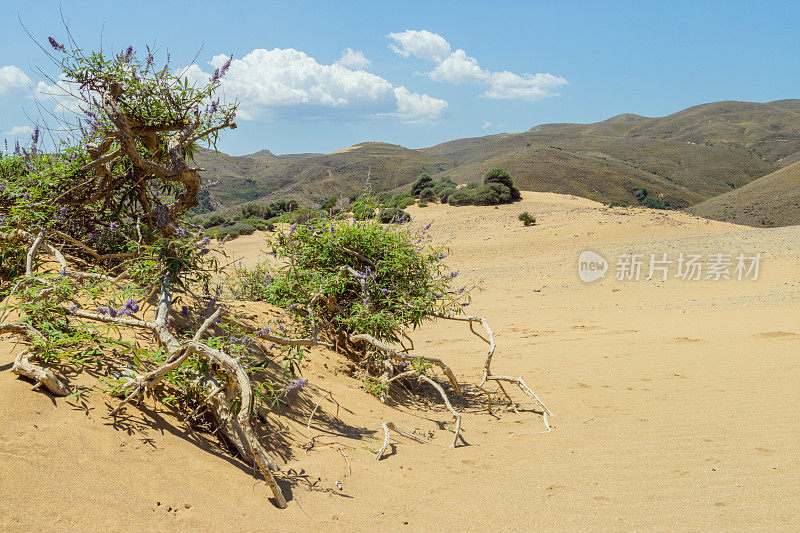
(676, 403)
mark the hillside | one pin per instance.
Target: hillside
(687, 157)
(773, 200)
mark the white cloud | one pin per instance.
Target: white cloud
(422, 44)
(457, 67)
(19, 131)
(12, 80)
(354, 59)
(508, 85)
(287, 83)
(413, 107)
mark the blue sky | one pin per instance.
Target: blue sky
(420, 73)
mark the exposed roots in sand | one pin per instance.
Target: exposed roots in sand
(236, 428)
(232, 383)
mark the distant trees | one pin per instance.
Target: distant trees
(497, 188)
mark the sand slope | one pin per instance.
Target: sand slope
(676, 404)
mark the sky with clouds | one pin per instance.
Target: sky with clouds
(320, 76)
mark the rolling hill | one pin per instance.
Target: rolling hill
(773, 200)
(686, 157)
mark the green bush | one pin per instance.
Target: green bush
(445, 194)
(526, 218)
(501, 177)
(654, 203)
(423, 182)
(393, 215)
(427, 195)
(397, 284)
(462, 196)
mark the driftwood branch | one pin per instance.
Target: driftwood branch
(23, 366)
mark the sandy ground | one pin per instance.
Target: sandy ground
(676, 404)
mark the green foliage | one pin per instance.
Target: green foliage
(501, 177)
(650, 201)
(403, 282)
(364, 207)
(497, 188)
(526, 218)
(427, 195)
(423, 182)
(393, 215)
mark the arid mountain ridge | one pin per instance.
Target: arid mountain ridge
(686, 158)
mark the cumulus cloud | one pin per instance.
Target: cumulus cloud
(459, 68)
(354, 59)
(415, 107)
(19, 131)
(13, 80)
(287, 83)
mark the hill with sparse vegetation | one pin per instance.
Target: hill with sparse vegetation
(684, 158)
(773, 200)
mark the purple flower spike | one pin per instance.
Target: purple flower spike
(131, 305)
(226, 66)
(56, 45)
(298, 384)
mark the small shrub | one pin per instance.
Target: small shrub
(423, 182)
(393, 215)
(526, 218)
(427, 195)
(445, 193)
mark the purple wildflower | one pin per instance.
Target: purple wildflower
(26, 196)
(273, 346)
(102, 310)
(218, 321)
(184, 311)
(62, 272)
(113, 226)
(56, 45)
(132, 306)
(113, 313)
(213, 107)
(426, 228)
(282, 328)
(128, 52)
(298, 384)
(226, 66)
(453, 274)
